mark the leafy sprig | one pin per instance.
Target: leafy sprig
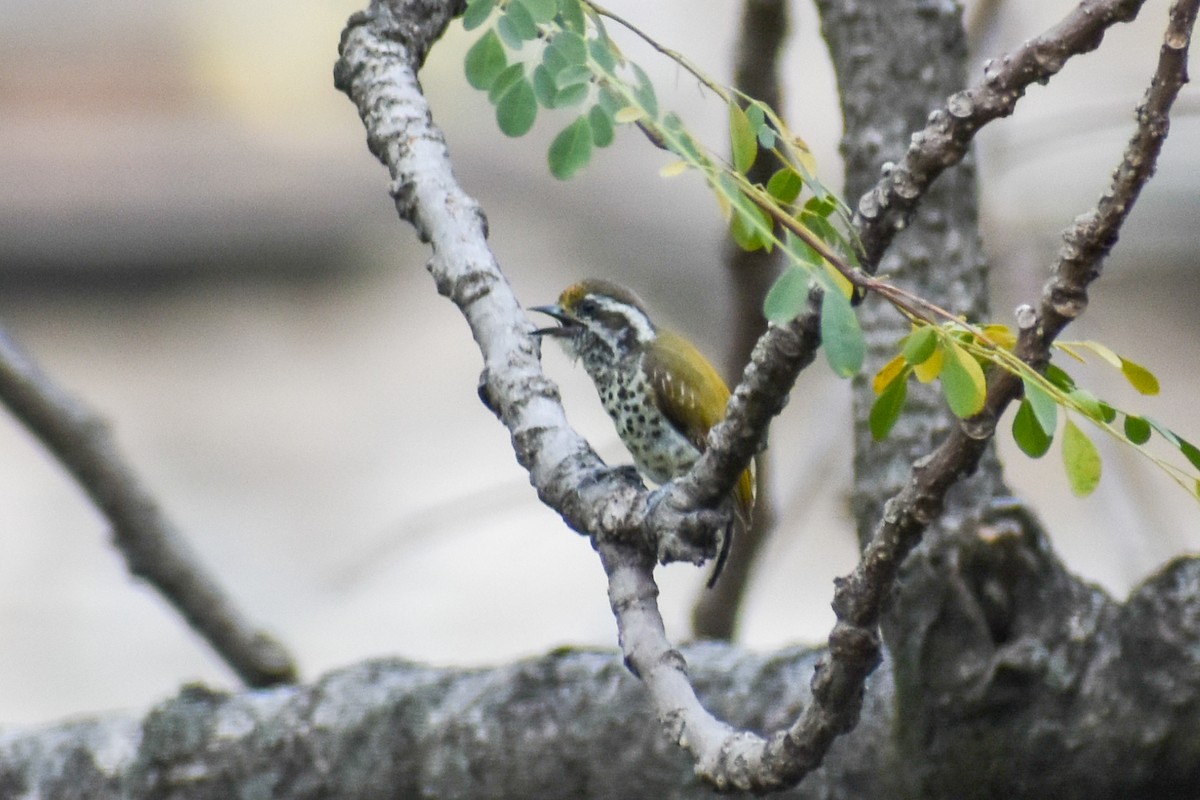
(557, 55)
(957, 357)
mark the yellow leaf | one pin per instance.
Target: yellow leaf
(1081, 460)
(1002, 335)
(1071, 352)
(673, 169)
(1104, 352)
(885, 376)
(1139, 377)
(930, 368)
(629, 114)
(963, 382)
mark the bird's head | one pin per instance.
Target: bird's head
(599, 320)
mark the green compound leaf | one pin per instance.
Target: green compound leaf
(1139, 377)
(572, 95)
(540, 11)
(1045, 410)
(920, 345)
(485, 61)
(756, 116)
(743, 143)
(1043, 405)
(1027, 431)
(612, 102)
(1137, 430)
(1081, 459)
(573, 75)
(1164, 431)
(570, 46)
(571, 149)
(785, 186)
(801, 250)
(1091, 405)
(504, 81)
(477, 13)
(888, 405)
(603, 132)
(543, 86)
(762, 127)
(845, 347)
(572, 16)
(748, 223)
(554, 60)
(1190, 452)
(788, 297)
(602, 54)
(516, 108)
(820, 206)
(963, 383)
(644, 92)
(516, 26)
(1057, 376)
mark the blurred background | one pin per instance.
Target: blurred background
(195, 241)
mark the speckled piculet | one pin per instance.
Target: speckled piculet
(661, 392)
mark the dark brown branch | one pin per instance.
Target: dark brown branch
(152, 547)
(884, 210)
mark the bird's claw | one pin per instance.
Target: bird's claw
(680, 533)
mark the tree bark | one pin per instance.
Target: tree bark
(568, 725)
(1086, 699)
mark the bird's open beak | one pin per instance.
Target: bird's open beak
(566, 323)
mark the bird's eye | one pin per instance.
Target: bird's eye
(587, 306)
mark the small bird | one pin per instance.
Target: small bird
(663, 395)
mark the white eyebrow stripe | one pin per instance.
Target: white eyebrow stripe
(640, 322)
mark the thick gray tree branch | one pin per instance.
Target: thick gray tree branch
(575, 725)
(568, 725)
(149, 542)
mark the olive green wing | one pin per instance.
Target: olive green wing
(693, 397)
(686, 386)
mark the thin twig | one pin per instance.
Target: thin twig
(152, 547)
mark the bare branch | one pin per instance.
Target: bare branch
(151, 545)
(1090, 238)
(884, 210)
